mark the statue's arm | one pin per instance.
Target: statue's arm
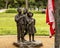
(26, 18)
(20, 17)
(16, 18)
(34, 25)
(34, 21)
(30, 22)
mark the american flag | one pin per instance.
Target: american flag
(50, 17)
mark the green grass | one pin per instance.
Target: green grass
(8, 25)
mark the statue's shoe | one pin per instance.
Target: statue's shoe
(16, 44)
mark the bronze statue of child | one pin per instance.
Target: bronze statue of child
(25, 11)
(31, 26)
(20, 25)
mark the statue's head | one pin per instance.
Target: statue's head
(30, 14)
(19, 10)
(25, 11)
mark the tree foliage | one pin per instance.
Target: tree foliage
(21, 3)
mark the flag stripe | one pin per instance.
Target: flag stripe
(50, 17)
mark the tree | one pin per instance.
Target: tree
(57, 23)
(2, 4)
(38, 3)
(31, 4)
(7, 2)
(6, 5)
(41, 3)
(26, 2)
(21, 3)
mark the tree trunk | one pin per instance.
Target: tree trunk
(26, 3)
(38, 8)
(57, 23)
(6, 6)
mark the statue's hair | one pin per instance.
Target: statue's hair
(18, 9)
(25, 9)
(29, 13)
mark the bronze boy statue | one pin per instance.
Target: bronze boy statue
(25, 11)
(31, 26)
(20, 25)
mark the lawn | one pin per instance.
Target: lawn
(8, 25)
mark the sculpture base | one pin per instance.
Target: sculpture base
(28, 44)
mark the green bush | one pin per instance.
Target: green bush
(37, 12)
(11, 11)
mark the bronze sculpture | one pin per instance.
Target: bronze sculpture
(31, 26)
(25, 11)
(25, 24)
(20, 25)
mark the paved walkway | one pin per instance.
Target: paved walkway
(7, 41)
(2, 10)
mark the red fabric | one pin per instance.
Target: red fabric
(47, 15)
(53, 4)
(52, 30)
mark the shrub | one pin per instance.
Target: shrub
(11, 11)
(38, 12)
